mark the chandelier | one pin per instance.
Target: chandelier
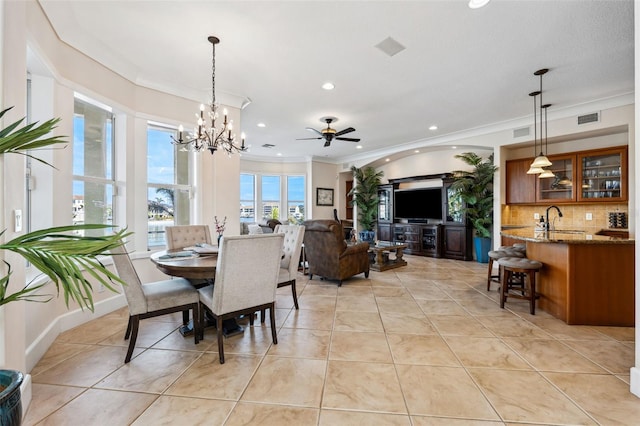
(205, 133)
(541, 160)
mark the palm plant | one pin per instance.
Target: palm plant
(60, 252)
(476, 190)
(365, 195)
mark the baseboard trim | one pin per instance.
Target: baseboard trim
(635, 381)
(67, 321)
(25, 393)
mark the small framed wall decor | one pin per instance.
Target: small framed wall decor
(324, 197)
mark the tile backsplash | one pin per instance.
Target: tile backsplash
(573, 216)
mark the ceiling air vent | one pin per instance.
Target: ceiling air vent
(268, 145)
(589, 118)
(518, 133)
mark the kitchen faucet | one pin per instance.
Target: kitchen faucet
(548, 226)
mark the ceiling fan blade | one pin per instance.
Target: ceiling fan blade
(307, 139)
(345, 131)
(349, 139)
(314, 130)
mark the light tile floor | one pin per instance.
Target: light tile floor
(425, 344)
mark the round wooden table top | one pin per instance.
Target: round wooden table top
(197, 267)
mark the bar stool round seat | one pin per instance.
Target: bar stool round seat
(520, 246)
(494, 255)
(525, 288)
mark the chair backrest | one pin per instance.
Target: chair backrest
(324, 242)
(133, 290)
(293, 237)
(181, 236)
(246, 272)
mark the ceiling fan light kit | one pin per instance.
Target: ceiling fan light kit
(329, 133)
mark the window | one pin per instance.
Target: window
(167, 184)
(295, 199)
(93, 178)
(270, 197)
(260, 193)
(247, 198)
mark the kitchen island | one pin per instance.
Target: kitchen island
(586, 278)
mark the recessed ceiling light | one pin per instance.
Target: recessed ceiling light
(262, 125)
(388, 159)
(434, 127)
(359, 147)
(416, 151)
(328, 86)
(279, 154)
(454, 147)
(477, 4)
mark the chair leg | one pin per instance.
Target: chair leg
(489, 276)
(252, 318)
(134, 321)
(185, 317)
(504, 284)
(220, 337)
(196, 322)
(272, 318)
(532, 290)
(128, 332)
(262, 316)
(201, 320)
(295, 293)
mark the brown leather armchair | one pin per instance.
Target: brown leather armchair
(329, 255)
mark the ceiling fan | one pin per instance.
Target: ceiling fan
(330, 134)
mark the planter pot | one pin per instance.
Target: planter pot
(482, 247)
(367, 236)
(10, 404)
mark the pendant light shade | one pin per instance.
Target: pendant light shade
(546, 174)
(565, 181)
(534, 170)
(541, 161)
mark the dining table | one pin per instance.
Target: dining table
(192, 265)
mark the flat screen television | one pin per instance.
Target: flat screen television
(418, 204)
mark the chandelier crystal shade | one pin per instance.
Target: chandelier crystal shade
(207, 134)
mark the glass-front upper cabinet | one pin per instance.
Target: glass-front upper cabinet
(385, 203)
(453, 205)
(603, 175)
(561, 187)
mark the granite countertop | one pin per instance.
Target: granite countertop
(566, 236)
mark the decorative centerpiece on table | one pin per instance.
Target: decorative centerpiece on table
(220, 225)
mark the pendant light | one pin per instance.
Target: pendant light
(534, 170)
(541, 160)
(545, 173)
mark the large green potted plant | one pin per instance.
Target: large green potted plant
(61, 253)
(476, 190)
(365, 197)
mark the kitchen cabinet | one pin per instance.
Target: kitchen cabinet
(561, 188)
(593, 176)
(520, 187)
(603, 175)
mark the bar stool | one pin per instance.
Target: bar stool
(494, 255)
(528, 269)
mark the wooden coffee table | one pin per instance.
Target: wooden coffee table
(379, 255)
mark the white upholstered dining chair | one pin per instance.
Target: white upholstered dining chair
(245, 282)
(181, 236)
(153, 299)
(292, 246)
